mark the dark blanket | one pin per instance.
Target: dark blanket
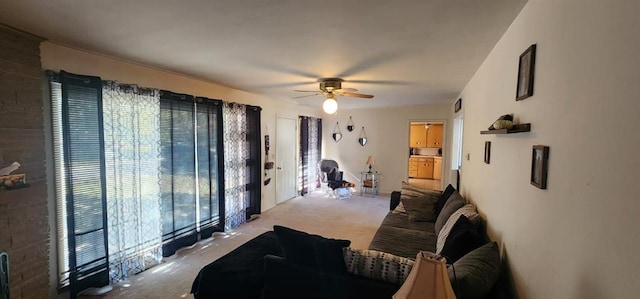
(238, 274)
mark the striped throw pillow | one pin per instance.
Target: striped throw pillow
(377, 265)
(469, 211)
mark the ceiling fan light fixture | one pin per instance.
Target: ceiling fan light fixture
(330, 105)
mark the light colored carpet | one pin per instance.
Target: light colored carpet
(355, 219)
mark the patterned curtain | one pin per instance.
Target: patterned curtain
(132, 158)
(310, 151)
(236, 152)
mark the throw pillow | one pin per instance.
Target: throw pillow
(377, 265)
(444, 197)
(468, 210)
(399, 209)
(462, 239)
(474, 274)
(311, 251)
(419, 203)
(455, 202)
(420, 209)
(414, 191)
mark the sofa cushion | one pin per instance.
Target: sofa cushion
(474, 274)
(462, 239)
(467, 210)
(402, 221)
(455, 202)
(402, 241)
(377, 265)
(312, 250)
(444, 197)
(419, 203)
(420, 209)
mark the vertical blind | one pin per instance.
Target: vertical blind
(210, 157)
(190, 169)
(77, 113)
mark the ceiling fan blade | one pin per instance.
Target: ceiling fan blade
(308, 95)
(356, 95)
(382, 82)
(305, 90)
(345, 90)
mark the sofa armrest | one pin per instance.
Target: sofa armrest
(284, 280)
(395, 200)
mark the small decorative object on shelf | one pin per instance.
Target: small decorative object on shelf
(515, 129)
(13, 181)
(503, 122)
(539, 164)
(350, 125)
(526, 70)
(363, 137)
(337, 135)
(504, 125)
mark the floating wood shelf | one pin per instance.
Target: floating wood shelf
(516, 129)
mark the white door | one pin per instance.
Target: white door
(286, 137)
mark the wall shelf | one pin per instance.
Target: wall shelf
(516, 129)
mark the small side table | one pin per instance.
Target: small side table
(369, 181)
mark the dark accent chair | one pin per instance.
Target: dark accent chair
(331, 174)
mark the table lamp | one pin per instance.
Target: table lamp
(370, 162)
(428, 279)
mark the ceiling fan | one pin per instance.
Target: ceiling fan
(332, 87)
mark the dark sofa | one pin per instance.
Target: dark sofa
(283, 278)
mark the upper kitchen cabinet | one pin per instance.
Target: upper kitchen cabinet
(418, 136)
(434, 136)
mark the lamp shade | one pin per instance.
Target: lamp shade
(370, 161)
(428, 279)
(330, 105)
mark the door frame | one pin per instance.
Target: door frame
(445, 146)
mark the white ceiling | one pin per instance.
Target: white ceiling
(404, 52)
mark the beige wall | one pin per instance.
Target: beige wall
(578, 238)
(56, 57)
(387, 130)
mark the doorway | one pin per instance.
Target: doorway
(426, 148)
(286, 132)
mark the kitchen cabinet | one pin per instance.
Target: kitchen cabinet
(413, 167)
(421, 137)
(437, 168)
(425, 168)
(434, 136)
(418, 136)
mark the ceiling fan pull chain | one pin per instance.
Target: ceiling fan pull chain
(350, 125)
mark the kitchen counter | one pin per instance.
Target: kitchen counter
(425, 156)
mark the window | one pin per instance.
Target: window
(138, 174)
(80, 184)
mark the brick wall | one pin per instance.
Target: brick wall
(24, 228)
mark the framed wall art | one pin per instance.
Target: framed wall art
(539, 165)
(526, 70)
(487, 152)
